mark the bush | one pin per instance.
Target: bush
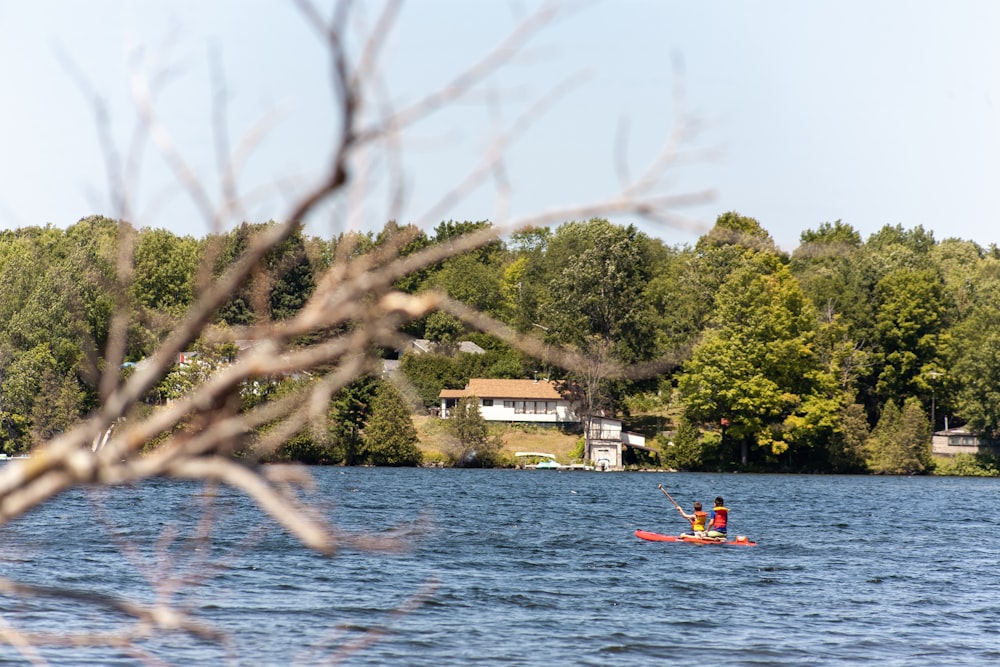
(968, 465)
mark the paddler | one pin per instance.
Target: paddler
(718, 520)
(697, 520)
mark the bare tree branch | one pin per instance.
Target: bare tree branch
(353, 310)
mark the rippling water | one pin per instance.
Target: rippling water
(534, 568)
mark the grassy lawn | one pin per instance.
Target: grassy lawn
(433, 439)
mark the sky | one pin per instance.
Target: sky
(797, 113)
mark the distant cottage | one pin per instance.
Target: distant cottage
(539, 402)
(959, 440)
(534, 401)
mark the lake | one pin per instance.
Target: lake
(531, 567)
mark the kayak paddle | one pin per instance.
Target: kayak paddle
(660, 487)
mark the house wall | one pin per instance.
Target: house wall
(519, 410)
(950, 445)
(602, 428)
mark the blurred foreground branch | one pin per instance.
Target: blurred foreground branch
(353, 311)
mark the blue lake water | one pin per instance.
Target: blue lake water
(532, 568)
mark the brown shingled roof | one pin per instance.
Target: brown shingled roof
(511, 389)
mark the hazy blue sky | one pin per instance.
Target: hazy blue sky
(869, 112)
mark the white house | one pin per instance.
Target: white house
(535, 401)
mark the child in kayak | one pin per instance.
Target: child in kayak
(718, 520)
(697, 520)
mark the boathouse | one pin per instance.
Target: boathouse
(606, 441)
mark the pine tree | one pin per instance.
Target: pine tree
(390, 438)
(900, 444)
(915, 437)
(846, 449)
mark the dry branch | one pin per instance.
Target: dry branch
(354, 295)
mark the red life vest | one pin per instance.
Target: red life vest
(721, 518)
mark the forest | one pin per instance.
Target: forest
(841, 356)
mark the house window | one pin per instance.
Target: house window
(487, 402)
(519, 407)
(508, 404)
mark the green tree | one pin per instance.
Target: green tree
(961, 265)
(405, 240)
(596, 276)
(686, 450)
(278, 290)
(389, 438)
(290, 275)
(449, 230)
(523, 284)
(975, 370)
(20, 388)
(918, 240)
(683, 292)
(429, 374)
(165, 271)
(89, 277)
(828, 265)
(846, 447)
(239, 310)
(676, 298)
(909, 324)
(468, 279)
(472, 445)
(900, 444)
(57, 406)
(757, 369)
(350, 408)
(443, 328)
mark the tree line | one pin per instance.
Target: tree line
(842, 355)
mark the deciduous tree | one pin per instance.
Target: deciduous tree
(757, 369)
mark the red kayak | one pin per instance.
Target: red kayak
(739, 541)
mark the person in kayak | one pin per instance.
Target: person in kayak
(697, 520)
(718, 520)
